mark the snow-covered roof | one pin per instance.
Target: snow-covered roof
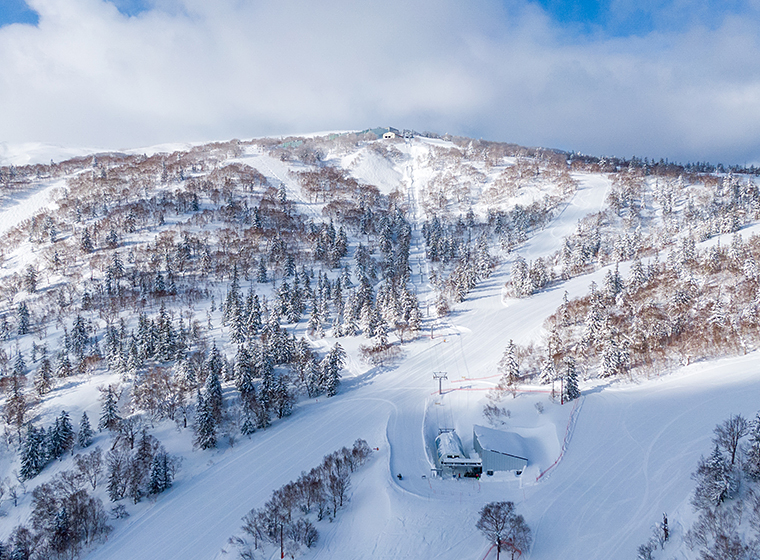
(449, 445)
(508, 443)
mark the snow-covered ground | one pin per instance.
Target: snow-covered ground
(601, 471)
(629, 447)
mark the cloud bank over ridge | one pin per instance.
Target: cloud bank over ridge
(189, 70)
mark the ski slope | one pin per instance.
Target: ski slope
(629, 447)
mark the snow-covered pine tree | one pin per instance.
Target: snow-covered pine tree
(23, 319)
(109, 416)
(637, 277)
(19, 365)
(508, 366)
(63, 366)
(571, 391)
(261, 272)
(65, 432)
(548, 371)
(752, 458)
(596, 320)
(613, 284)
(520, 278)
(253, 320)
(165, 349)
(212, 395)
(79, 338)
(205, 425)
(716, 481)
(43, 379)
(30, 279)
(160, 472)
(85, 434)
(32, 451)
(331, 366)
(213, 362)
(283, 397)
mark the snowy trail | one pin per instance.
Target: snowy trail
(588, 199)
(21, 206)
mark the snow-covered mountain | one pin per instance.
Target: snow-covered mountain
(165, 278)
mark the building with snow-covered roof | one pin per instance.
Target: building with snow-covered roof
(499, 450)
(451, 454)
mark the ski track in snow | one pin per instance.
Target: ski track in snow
(629, 456)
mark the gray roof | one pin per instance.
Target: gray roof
(508, 443)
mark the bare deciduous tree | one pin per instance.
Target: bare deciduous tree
(728, 434)
(504, 528)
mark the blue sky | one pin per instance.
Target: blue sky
(677, 79)
(16, 11)
(610, 17)
(623, 18)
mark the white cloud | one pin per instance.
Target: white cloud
(195, 70)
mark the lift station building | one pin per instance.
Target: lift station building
(499, 450)
(451, 455)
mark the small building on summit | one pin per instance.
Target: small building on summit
(499, 450)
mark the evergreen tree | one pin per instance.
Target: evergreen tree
(60, 436)
(548, 371)
(331, 366)
(613, 284)
(30, 279)
(261, 272)
(43, 380)
(24, 321)
(85, 435)
(109, 416)
(637, 277)
(140, 465)
(213, 397)
(160, 473)
(521, 284)
(85, 241)
(213, 363)
(19, 366)
(33, 456)
(205, 425)
(79, 338)
(716, 481)
(284, 398)
(596, 321)
(165, 337)
(571, 380)
(752, 461)
(508, 366)
(63, 367)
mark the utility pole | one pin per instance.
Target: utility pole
(439, 375)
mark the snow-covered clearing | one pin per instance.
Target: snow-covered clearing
(20, 206)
